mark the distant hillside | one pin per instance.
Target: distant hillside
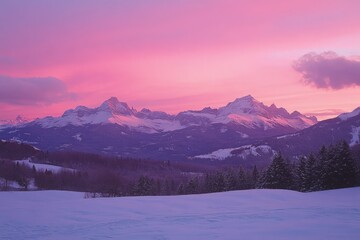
(15, 150)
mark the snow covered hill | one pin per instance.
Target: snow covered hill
(309, 140)
(42, 166)
(344, 127)
(251, 214)
(242, 152)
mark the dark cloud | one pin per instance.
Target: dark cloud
(328, 70)
(33, 91)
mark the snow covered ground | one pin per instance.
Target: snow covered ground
(253, 214)
(240, 152)
(43, 167)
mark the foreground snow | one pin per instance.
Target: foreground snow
(253, 214)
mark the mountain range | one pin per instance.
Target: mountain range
(244, 128)
(245, 111)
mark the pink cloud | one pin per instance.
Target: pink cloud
(33, 91)
(328, 70)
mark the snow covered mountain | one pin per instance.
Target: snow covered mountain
(116, 128)
(344, 127)
(245, 111)
(251, 113)
(113, 112)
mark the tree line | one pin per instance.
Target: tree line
(332, 167)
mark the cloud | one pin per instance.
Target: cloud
(326, 113)
(33, 91)
(329, 70)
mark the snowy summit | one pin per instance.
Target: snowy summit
(246, 111)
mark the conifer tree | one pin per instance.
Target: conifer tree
(278, 175)
(181, 190)
(346, 169)
(336, 167)
(323, 168)
(192, 186)
(312, 174)
(242, 181)
(301, 175)
(230, 180)
(219, 183)
(145, 186)
(209, 183)
(255, 177)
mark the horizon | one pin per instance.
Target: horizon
(171, 113)
(179, 55)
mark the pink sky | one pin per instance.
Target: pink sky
(176, 55)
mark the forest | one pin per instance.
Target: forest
(105, 176)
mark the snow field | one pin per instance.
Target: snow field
(251, 214)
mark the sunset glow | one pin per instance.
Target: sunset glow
(178, 55)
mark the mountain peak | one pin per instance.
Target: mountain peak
(273, 106)
(20, 119)
(247, 104)
(247, 101)
(114, 106)
(247, 98)
(295, 114)
(113, 100)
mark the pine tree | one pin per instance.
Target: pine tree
(230, 180)
(301, 175)
(33, 169)
(145, 186)
(337, 168)
(181, 190)
(192, 186)
(219, 183)
(278, 175)
(255, 177)
(208, 183)
(346, 169)
(312, 174)
(242, 181)
(323, 168)
(333, 170)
